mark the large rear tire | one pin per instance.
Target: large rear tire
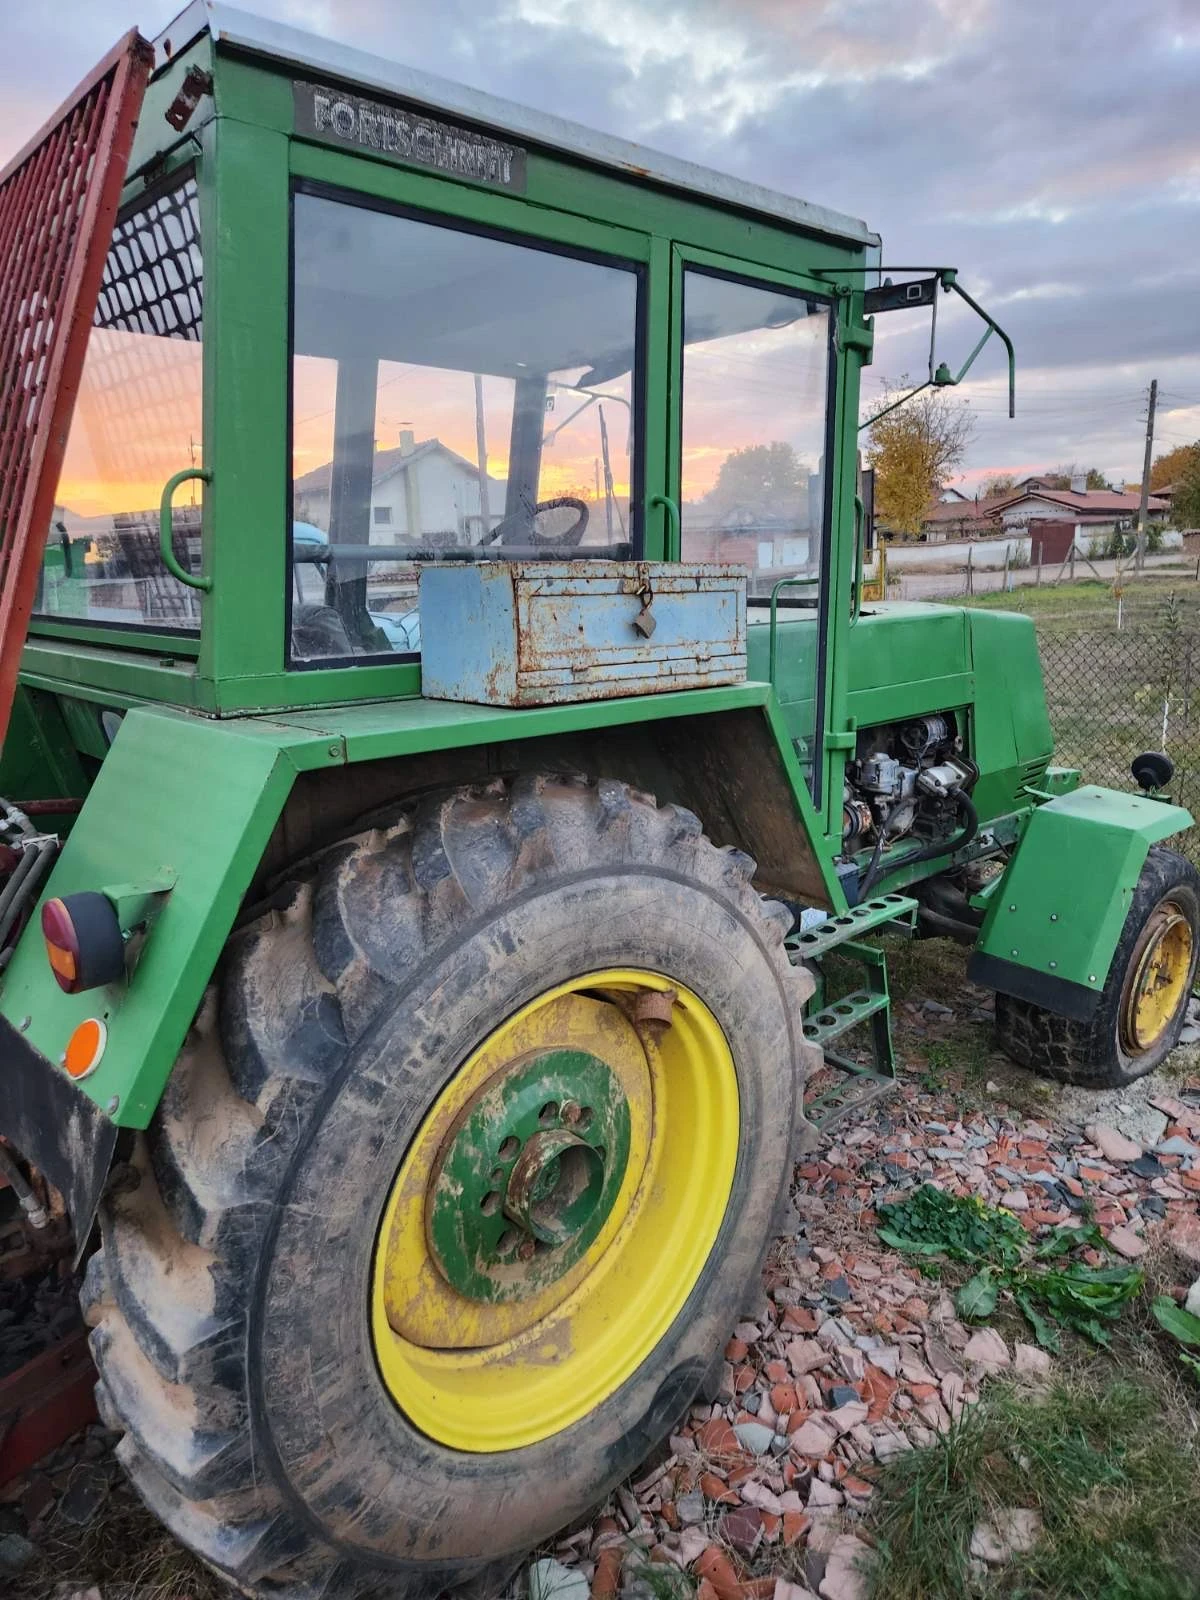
(1145, 997)
(323, 1399)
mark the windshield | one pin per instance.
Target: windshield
(455, 396)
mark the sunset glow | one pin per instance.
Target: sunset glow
(137, 422)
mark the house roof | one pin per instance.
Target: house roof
(1095, 501)
(387, 464)
(954, 511)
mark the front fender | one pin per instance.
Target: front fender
(1054, 920)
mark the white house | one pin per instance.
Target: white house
(1095, 512)
(422, 493)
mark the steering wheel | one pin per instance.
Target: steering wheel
(567, 540)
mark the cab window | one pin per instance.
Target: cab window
(137, 422)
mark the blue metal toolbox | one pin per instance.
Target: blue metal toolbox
(530, 633)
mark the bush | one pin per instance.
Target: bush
(1118, 544)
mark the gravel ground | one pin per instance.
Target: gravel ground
(848, 1357)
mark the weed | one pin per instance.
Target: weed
(655, 1580)
(1049, 1287)
(1183, 1327)
(1118, 1500)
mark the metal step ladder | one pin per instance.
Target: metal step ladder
(827, 1019)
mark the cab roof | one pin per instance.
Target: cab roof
(243, 31)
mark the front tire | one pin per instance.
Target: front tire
(241, 1300)
(1145, 997)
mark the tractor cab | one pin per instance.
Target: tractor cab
(380, 1019)
(354, 320)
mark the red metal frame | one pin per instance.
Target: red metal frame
(58, 204)
(45, 1402)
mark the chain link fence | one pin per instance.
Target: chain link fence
(1122, 672)
(1115, 690)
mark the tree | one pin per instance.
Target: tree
(763, 479)
(914, 449)
(1185, 506)
(1061, 477)
(1172, 466)
(1004, 483)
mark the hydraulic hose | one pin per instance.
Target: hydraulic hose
(29, 1202)
(927, 852)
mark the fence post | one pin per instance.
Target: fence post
(1072, 558)
(970, 569)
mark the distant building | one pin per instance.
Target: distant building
(950, 520)
(1095, 512)
(421, 491)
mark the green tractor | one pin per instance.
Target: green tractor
(445, 738)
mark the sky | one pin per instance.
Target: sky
(1049, 149)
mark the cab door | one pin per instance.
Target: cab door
(751, 464)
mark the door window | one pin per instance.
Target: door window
(456, 396)
(755, 391)
(754, 437)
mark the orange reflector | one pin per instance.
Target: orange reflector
(85, 1048)
(63, 962)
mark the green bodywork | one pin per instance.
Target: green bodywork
(1060, 907)
(222, 747)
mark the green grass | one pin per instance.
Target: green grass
(1106, 1464)
(1089, 602)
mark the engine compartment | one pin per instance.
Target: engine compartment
(907, 778)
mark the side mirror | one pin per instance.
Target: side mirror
(1152, 770)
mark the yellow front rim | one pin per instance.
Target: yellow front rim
(480, 1376)
(1160, 979)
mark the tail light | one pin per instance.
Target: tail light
(84, 941)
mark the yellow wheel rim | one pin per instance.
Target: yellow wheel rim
(1161, 971)
(481, 1373)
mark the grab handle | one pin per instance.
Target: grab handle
(164, 527)
(671, 517)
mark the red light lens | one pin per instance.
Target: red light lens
(62, 946)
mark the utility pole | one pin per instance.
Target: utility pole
(1140, 559)
(485, 510)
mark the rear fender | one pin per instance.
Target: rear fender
(182, 807)
(199, 814)
(1054, 920)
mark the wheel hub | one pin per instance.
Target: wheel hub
(525, 1180)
